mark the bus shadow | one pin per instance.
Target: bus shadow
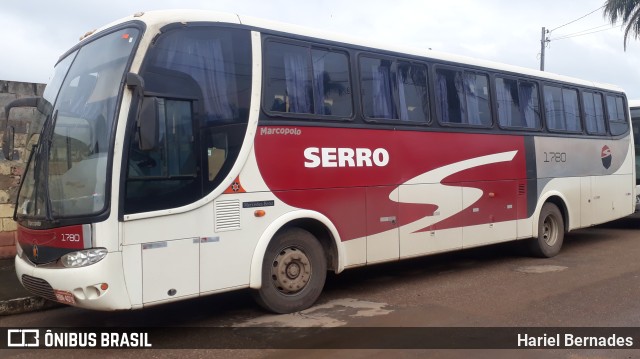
(424, 267)
(432, 266)
(629, 222)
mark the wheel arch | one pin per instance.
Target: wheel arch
(561, 202)
(317, 224)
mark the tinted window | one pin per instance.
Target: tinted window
(199, 79)
(165, 176)
(332, 87)
(300, 79)
(212, 65)
(561, 109)
(289, 79)
(462, 97)
(375, 83)
(518, 104)
(571, 110)
(412, 92)
(594, 113)
(616, 111)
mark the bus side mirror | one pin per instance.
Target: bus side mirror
(8, 142)
(9, 131)
(135, 82)
(148, 124)
(147, 115)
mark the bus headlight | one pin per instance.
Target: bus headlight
(83, 258)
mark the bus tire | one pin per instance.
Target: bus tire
(550, 232)
(294, 270)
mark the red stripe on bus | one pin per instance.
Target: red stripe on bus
(354, 192)
(70, 237)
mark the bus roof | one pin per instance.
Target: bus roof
(159, 18)
(634, 103)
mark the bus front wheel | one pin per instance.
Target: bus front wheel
(294, 270)
(550, 232)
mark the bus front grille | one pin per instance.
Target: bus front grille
(38, 287)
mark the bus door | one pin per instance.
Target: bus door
(162, 174)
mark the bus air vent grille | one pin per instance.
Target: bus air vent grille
(227, 214)
(522, 190)
(38, 286)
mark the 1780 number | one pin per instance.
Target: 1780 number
(558, 157)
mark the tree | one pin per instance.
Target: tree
(629, 12)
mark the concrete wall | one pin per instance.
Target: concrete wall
(11, 171)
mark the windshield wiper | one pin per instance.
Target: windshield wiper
(41, 167)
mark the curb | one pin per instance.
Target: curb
(26, 304)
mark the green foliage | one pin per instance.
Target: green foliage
(628, 11)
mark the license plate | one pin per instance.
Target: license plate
(64, 297)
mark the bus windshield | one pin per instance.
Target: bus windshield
(66, 173)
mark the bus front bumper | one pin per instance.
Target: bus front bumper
(99, 286)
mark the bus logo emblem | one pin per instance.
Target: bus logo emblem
(606, 156)
(35, 251)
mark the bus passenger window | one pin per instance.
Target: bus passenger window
(377, 95)
(413, 96)
(615, 108)
(594, 113)
(301, 79)
(288, 79)
(518, 104)
(561, 109)
(571, 110)
(463, 98)
(331, 84)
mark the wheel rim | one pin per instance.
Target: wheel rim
(550, 230)
(291, 270)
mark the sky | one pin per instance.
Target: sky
(34, 33)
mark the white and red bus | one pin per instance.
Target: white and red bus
(187, 153)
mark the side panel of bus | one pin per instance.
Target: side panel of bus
(432, 191)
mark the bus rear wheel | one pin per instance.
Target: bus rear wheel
(550, 232)
(294, 270)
